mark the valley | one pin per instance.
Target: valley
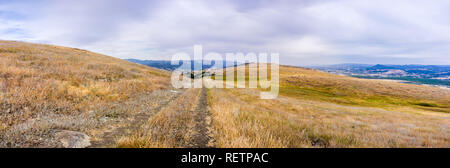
(434, 75)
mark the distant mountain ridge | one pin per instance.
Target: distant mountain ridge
(160, 64)
(167, 65)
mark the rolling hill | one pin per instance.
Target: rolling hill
(317, 109)
(48, 88)
(53, 96)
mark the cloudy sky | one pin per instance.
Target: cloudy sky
(304, 32)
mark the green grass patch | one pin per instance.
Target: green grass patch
(330, 94)
(295, 90)
(410, 79)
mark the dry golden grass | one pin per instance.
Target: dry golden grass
(47, 88)
(317, 109)
(40, 81)
(172, 127)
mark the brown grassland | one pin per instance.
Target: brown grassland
(317, 109)
(45, 89)
(175, 126)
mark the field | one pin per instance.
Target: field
(49, 89)
(317, 109)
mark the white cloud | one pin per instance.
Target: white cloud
(310, 31)
(307, 45)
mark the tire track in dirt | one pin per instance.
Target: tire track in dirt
(109, 138)
(204, 136)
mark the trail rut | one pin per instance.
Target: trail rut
(204, 136)
(109, 138)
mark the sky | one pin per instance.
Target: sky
(303, 32)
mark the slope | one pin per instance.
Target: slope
(317, 109)
(45, 89)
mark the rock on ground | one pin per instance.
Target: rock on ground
(73, 139)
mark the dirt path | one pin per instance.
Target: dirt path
(109, 138)
(204, 135)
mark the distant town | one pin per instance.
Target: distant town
(417, 74)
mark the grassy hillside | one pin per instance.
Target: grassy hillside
(317, 109)
(45, 88)
(312, 84)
